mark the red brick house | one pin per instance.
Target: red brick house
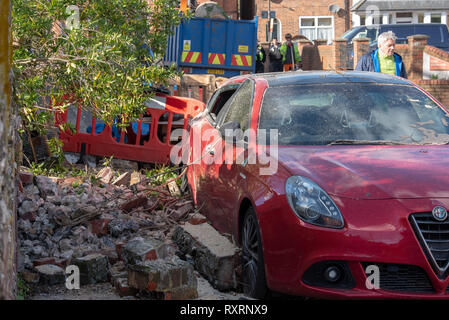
(320, 19)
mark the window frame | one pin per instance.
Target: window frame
(229, 103)
(316, 27)
(213, 100)
(276, 21)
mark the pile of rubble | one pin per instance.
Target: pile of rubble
(122, 230)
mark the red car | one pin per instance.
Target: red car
(335, 184)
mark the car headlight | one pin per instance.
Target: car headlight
(312, 204)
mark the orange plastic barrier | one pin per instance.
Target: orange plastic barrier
(147, 140)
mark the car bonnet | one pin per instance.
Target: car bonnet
(372, 172)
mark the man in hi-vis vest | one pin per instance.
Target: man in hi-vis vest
(290, 54)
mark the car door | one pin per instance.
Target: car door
(223, 175)
(202, 131)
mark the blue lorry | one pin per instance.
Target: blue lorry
(224, 47)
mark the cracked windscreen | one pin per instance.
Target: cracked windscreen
(353, 113)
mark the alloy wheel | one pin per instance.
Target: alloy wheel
(252, 259)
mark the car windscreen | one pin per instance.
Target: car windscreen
(361, 32)
(351, 33)
(358, 113)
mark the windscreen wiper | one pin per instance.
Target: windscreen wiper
(369, 142)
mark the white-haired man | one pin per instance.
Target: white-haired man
(383, 59)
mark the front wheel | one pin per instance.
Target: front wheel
(253, 269)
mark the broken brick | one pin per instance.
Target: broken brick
(136, 177)
(63, 263)
(215, 257)
(111, 254)
(197, 218)
(123, 288)
(105, 175)
(26, 178)
(68, 182)
(94, 268)
(182, 293)
(118, 248)
(30, 277)
(123, 180)
(173, 277)
(100, 226)
(50, 274)
(31, 216)
(40, 262)
(134, 203)
(174, 189)
(138, 251)
(181, 211)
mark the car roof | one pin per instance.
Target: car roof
(401, 25)
(321, 77)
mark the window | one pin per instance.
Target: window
(219, 99)
(370, 33)
(238, 108)
(404, 17)
(275, 32)
(318, 114)
(435, 18)
(362, 20)
(420, 17)
(317, 28)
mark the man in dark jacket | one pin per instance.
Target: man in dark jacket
(260, 59)
(383, 59)
(275, 56)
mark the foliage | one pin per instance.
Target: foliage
(23, 290)
(162, 173)
(107, 162)
(55, 145)
(102, 62)
(48, 168)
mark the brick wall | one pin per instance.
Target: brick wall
(436, 63)
(441, 54)
(439, 89)
(289, 11)
(8, 231)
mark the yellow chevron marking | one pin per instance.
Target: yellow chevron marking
(194, 57)
(183, 56)
(238, 59)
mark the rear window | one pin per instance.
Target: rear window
(322, 114)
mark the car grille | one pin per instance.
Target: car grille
(402, 277)
(434, 239)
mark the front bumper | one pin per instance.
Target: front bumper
(376, 232)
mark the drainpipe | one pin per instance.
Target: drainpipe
(270, 28)
(347, 16)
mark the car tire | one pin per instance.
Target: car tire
(253, 267)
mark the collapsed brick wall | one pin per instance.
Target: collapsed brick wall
(8, 232)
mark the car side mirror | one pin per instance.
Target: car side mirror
(230, 131)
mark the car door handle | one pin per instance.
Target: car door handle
(210, 149)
